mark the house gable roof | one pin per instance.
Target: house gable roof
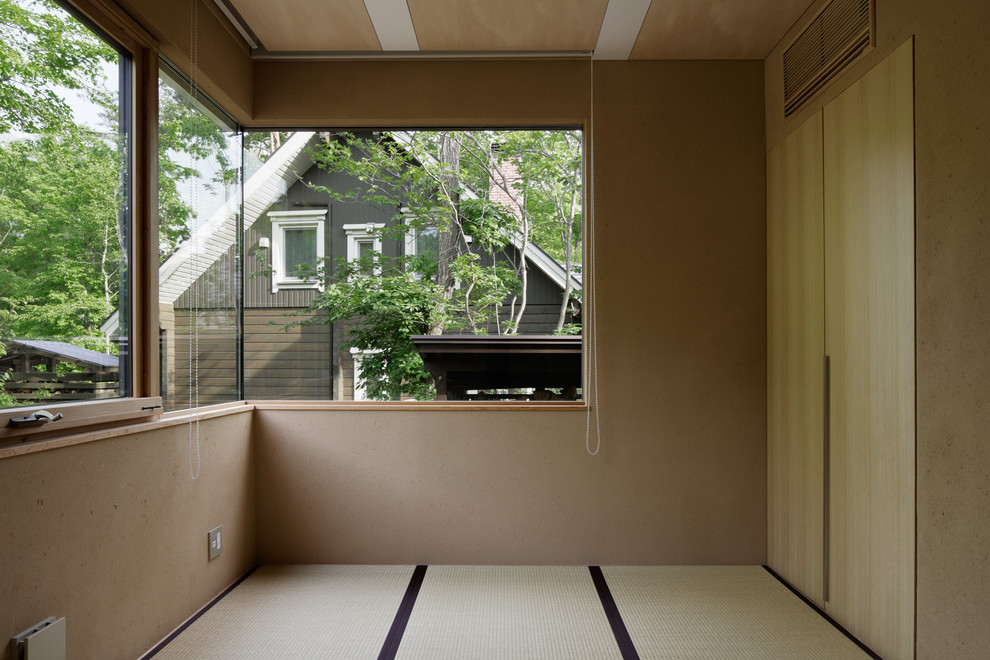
(218, 234)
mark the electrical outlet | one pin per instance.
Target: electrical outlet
(214, 538)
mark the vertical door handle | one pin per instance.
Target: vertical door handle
(826, 479)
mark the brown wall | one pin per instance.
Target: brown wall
(112, 534)
(680, 215)
(399, 94)
(952, 144)
(223, 64)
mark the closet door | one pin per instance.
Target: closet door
(869, 337)
(796, 346)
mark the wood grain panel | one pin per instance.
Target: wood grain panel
(303, 25)
(869, 243)
(795, 351)
(473, 25)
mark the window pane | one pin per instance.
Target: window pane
(64, 210)
(428, 243)
(366, 250)
(481, 268)
(199, 224)
(300, 248)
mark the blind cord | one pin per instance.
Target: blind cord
(591, 287)
(194, 229)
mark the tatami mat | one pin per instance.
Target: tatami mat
(508, 612)
(527, 612)
(716, 612)
(293, 612)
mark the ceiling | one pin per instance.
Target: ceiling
(610, 29)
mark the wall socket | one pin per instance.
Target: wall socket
(214, 538)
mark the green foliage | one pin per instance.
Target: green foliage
(482, 290)
(391, 179)
(61, 251)
(569, 329)
(43, 49)
(391, 308)
(59, 266)
(6, 399)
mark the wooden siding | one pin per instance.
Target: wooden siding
(285, 364)
(216, 364)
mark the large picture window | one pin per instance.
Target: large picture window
(452, 268)
(65, 211)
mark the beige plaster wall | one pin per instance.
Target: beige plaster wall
(112, 535)
(681, 479)
(952, 150)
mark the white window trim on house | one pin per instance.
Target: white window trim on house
(283, 220)
(364, 233)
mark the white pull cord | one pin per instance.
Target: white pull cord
(194, 237)
(590, 286)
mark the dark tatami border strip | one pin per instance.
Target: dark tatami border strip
(394, 637)
(195, 617)
(626, 646)
(866, 649)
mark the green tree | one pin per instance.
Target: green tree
(187, 142)
(384, 312)
(59, 266)
(43, 52)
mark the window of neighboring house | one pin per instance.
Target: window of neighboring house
(297, 243)
(66, 169)
(363, 243)
(422, 245)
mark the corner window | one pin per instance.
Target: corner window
(297, 249)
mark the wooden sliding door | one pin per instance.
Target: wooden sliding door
(869, 321)
(795, 349)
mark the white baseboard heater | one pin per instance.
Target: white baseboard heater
(42, 641)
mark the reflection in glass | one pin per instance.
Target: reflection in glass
(199, 225)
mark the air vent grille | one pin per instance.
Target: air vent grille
(841, 32)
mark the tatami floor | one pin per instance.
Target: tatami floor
(464, 612)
